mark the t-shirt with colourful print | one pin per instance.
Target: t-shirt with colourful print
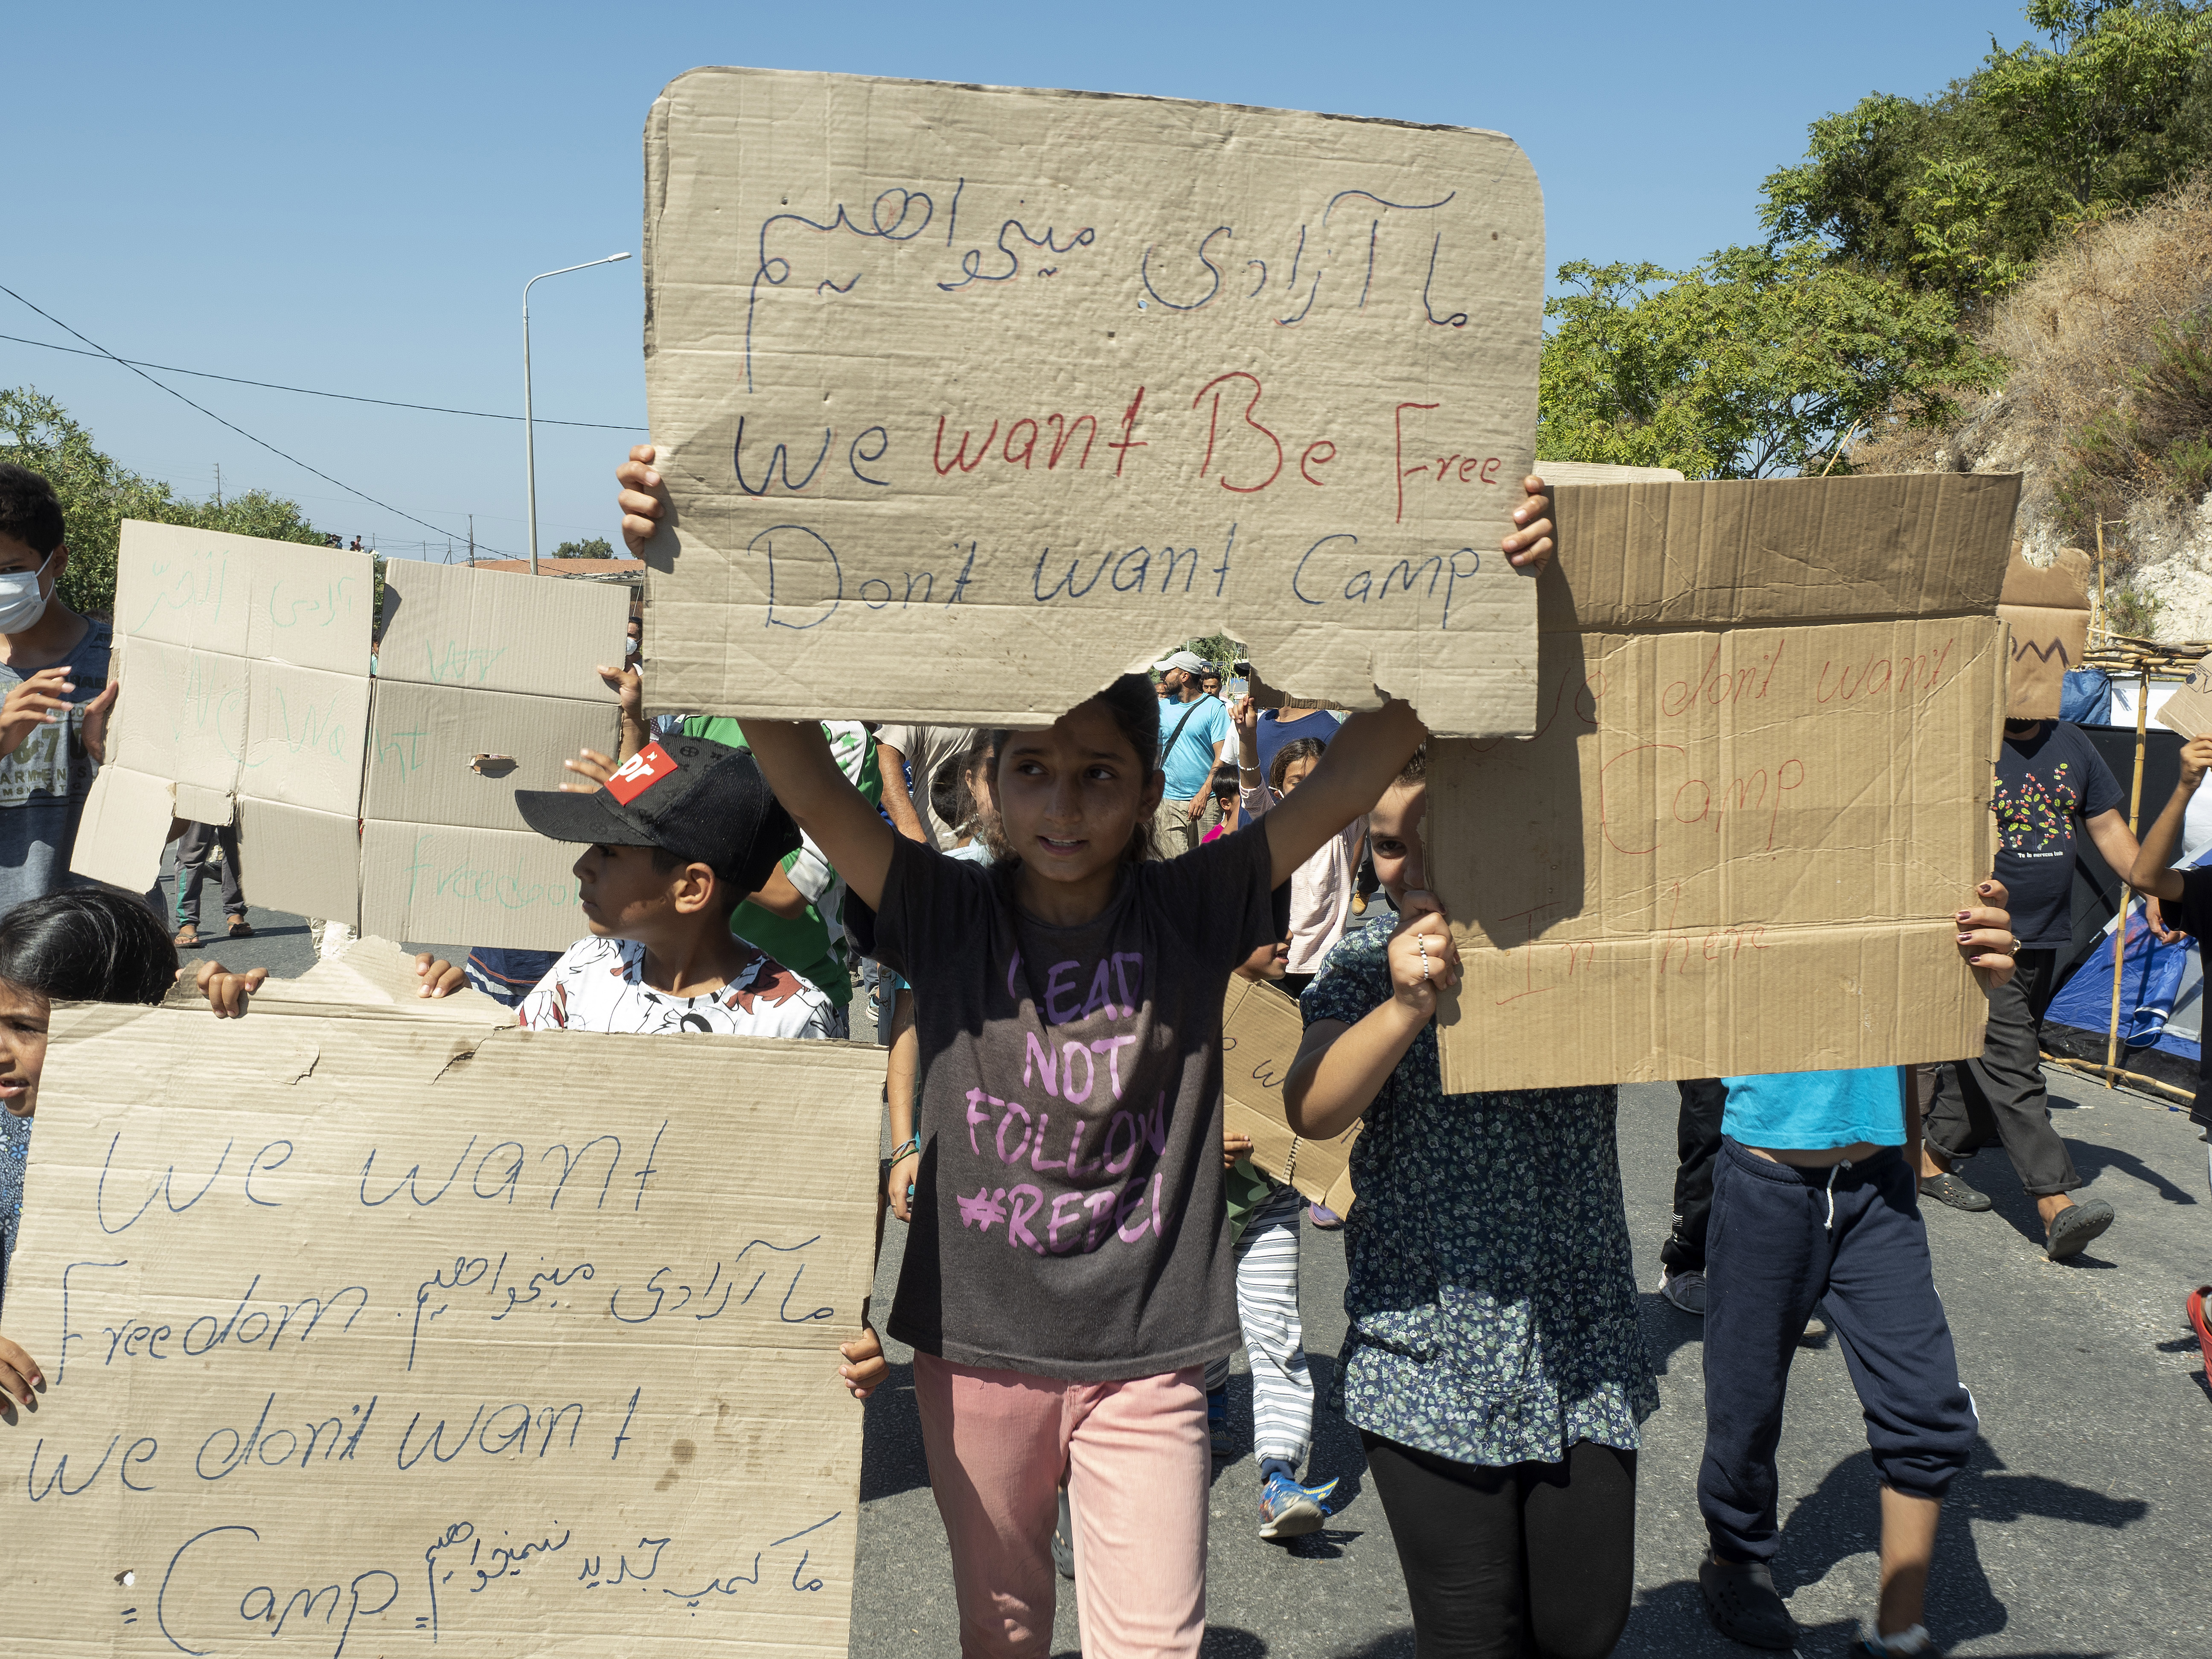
(1068, 1216)
(598, 985)
(2046, 781)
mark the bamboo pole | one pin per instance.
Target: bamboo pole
(2103, 625)
(2127, 889)
(2103, 1075)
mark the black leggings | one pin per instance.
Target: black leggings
(1535, 1559)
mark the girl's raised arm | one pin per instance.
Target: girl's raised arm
(794, 758)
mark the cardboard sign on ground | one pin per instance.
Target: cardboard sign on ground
(969, 398)
(367, 1332)
(247, 694)
(1769, 728)
(1260, 1033)
(2047, 608)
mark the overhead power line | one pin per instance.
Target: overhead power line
(104, 352)
(307, 392)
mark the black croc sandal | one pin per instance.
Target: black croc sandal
(2075, 1226)
(1744, 1606)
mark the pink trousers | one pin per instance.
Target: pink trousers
(1136, 1459)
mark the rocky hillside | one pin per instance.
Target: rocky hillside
(2106, 409)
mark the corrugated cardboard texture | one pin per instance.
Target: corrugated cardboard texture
(1260, 1033)
(1560, 473)
(481, 663)
(246, 697)
(367, 1328)
(2189, 711)
(1771, 716)
(246, 686)
(2047, 608)
(969, 398)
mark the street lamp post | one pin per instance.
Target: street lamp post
(529, 432)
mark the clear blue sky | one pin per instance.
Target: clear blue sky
(352, 199)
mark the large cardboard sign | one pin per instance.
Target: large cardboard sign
(486, 684)
(247, 697)
(369, 1332)
(969, 398)
(2047, 608)
(1260, 1033)
(245, 700)
(1760, 790)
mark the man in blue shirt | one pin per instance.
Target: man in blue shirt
(1192, 729)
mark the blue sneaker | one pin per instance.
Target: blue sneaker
(1216, 1424)
(1290, 1510)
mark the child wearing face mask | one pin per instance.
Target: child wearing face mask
(85, 945)
(54, 695)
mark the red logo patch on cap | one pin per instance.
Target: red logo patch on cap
(640, 772)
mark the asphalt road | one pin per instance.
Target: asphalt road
(2081, 1528)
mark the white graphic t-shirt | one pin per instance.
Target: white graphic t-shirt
(598, 985)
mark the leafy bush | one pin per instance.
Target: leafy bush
(97, 495)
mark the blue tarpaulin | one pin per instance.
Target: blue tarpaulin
(2162, 989)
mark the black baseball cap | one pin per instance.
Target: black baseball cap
(705, 802)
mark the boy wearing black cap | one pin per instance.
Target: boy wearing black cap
(676, 836)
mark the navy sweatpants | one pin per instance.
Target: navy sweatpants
(1781, 1239)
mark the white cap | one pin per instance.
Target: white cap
(1188, 661)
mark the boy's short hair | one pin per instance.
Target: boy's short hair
(1416, 768)
(30, 511)
(691, 801)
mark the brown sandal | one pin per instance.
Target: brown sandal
(240, 928)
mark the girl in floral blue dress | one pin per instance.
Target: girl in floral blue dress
(1494, 1366)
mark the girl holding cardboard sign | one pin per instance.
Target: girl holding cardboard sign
(1068, 1274)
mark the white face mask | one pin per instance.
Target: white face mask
(22, 603)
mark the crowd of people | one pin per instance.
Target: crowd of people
(1085, 1253)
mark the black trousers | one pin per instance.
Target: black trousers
(1531, 1559)
(1697, 1143)
(2000, 1097)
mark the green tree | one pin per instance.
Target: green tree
(1756, 363)
(97, 495)
(1960, 192)
(597, 547)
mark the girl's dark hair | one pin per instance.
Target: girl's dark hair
(1135, 706)
(29, 509)
(1416, 769)
(1297, 749)
(87, 944)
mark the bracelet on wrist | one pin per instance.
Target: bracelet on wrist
(912, 1144)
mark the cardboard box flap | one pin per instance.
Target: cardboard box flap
(497, 630)
(294, 603)
(1734, 845)
(2063, 584)
(2189, 710)
(2047, 609)
(970, 398)
(1559, 473)
(1723, 554)
(1260, 1029)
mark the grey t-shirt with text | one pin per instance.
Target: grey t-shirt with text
(1068, 1219)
